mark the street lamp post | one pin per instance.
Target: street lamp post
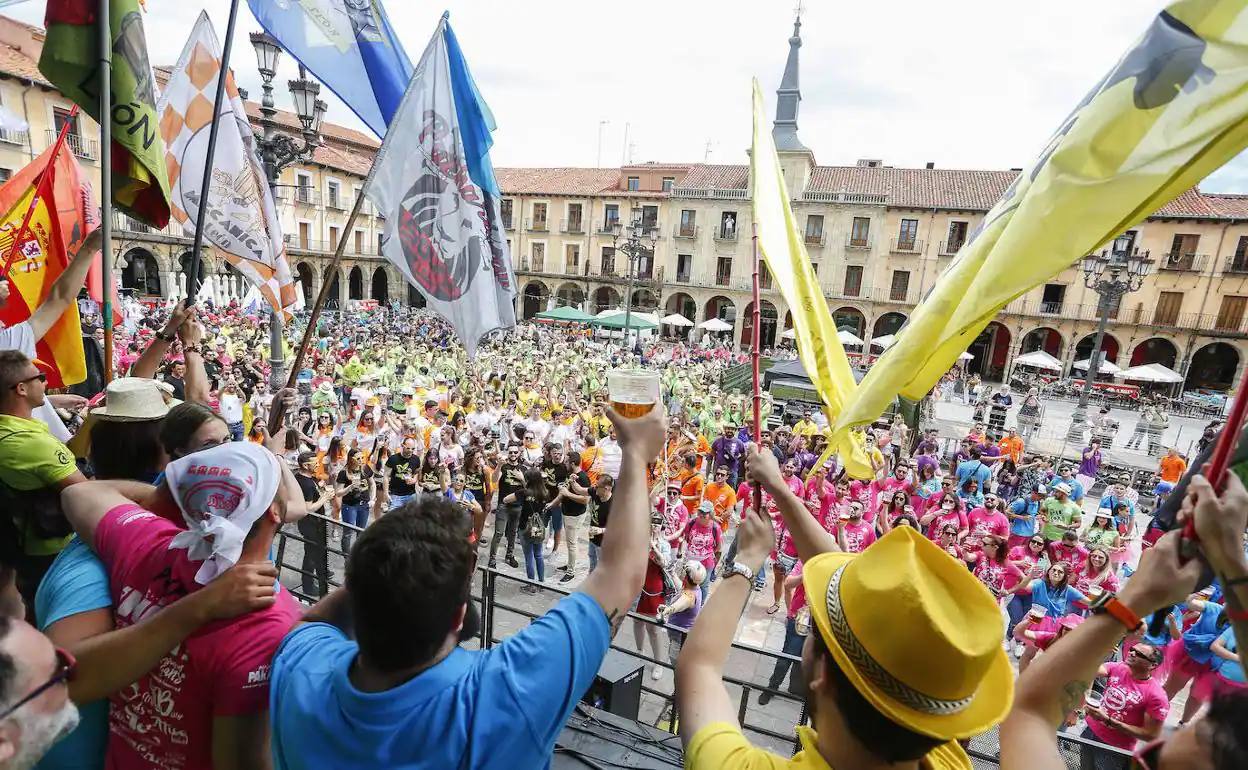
(1111, 275)
(277, 151)
(638, 244)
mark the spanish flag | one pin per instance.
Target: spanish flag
(780, 241)
(1173, 109)
(58, 222)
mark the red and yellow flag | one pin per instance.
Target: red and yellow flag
(57, 224)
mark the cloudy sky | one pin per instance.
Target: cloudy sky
(961, 83)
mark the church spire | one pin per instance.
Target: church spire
(789, 97)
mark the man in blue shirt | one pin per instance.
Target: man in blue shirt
(1022, 515)
(374, 677)
(1077, 491)
(974, 468)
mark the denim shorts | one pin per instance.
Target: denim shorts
(786, 563)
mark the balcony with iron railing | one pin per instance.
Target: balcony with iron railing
(951, 248)
(509, 223)
(13, 136)
(307, 196)
(335, 202)
(861, 243)
(893, 295)
(816, 239)
(1182, 262)
(905, 246)
(124, 225)
(727, 234)
(572, 226)
(608, 226)
(685, 231)
(1236, 264)
(685, 277)
(536, 225)
(87, 149)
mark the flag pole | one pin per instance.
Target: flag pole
(279, 409)
(192, 280)
(755, 355)
(104, 27)
(24, 229)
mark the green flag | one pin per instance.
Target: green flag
(70, 60)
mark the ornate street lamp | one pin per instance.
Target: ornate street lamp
(639, 243)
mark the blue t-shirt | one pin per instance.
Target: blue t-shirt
(1076, 489)
(1161, 640)
(1198, 636)
(1024, 506)
(1055, 601)
(1229, 669)
(76, 582)
(973, 469)
(498, 708)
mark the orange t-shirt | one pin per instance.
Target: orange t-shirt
(1172, 469)
(691, 491)
(723, 497)
(591, 463)
(1012, 448)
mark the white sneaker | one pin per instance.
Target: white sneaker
(656, 673)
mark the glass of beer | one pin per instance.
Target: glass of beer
(633, 392)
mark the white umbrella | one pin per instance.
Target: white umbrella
(715, 325)
(886, 341)
(1040, 360)
(1152, 373)
(848, 338)
(676, 319)
(1106, 367)
(789, 334)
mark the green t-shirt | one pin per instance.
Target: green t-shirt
(1059, 517)
(31, 459)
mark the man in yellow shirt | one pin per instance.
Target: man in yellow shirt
(877, 698)
(805, 426)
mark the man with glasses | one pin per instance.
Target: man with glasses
(34, 467)
(1133, 705)
(35, 709)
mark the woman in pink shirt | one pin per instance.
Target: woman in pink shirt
(892, 507)
(820, 494)
(948, 541)
(988, 519)
(992, 567)
(947, 509)
(1097, 575)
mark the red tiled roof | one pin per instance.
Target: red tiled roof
(565, 181)
(14, 62)
(706, 176)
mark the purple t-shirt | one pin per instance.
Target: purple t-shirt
(728, 452)
(1090, 462)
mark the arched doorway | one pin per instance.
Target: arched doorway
(303, 274)
(720, 307)
(768, 317)
(889, 323)
(335, 288)
(570, 295)
(605, 298)
(141, 273)
(355, 283)
(850, 319)
(414, 297)
(535, 295)
(681, 304)
(1157, 350)
(1044, 338)
(1213, 367)
(381, 286)
(1109, 346)
(645, 301)
(989, 351)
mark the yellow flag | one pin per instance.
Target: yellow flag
(784, 251)
(1172, 110)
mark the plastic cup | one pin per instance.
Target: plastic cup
(633, 392)
(1038, 611)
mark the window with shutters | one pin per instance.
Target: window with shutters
(1231, 314)
(853, 281)
(1168, 304)
(900, 287)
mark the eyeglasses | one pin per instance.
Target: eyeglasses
(1151, 659)
(40, 376)
(65, 668)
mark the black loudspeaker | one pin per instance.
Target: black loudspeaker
(617, 686)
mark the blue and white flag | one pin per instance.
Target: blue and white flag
(433, 182)
(349, 45)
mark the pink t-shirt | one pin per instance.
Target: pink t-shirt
(997, 577)
(799, 593)
(783, 538)
(858, 535)
(1074, 556)
(955, 516)
(1022, 553)
(984, 522)
(1084, 580)
(164, 720)
(820, 498)
(675, 519)
(1128, 700)
(701, 542)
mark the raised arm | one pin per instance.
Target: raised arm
(809, 536)
(626, 543)
(66, 287)
(196, 379)
(1055, 682)
(1220, 524)
(158, 346)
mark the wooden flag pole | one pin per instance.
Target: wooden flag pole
(279, 409)
(192, 280)
(755, 355)
(104, 27)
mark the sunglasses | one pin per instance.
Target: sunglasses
(1153, 659)
(40, 376)
(65, 668)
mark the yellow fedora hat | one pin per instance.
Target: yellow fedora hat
(915, 632)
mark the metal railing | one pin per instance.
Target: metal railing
(572, 226)
(537, 225)
(685, 231)
(906, 246)
(13, 136)
(607, 227)
(950, 248)
(509, 223)
(816, 239)
(860, 243)
(1236, 264)
(725, 233)
(335, 202)
(1182, 262)
(88, 149)
(503, 612)
(711, 192)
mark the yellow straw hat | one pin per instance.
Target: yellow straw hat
(915, 632)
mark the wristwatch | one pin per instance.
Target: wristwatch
(1109, 603)
(738, 568)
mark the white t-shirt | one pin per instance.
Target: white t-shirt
(231, 407)
(22, 338)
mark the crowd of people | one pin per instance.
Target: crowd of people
(144, 625)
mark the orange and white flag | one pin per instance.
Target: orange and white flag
(242, 223)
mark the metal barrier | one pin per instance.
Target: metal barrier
(773, 728)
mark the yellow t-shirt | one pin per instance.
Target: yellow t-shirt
(32, 459)
(722, 746)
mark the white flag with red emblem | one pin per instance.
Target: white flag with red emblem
(433, 182)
